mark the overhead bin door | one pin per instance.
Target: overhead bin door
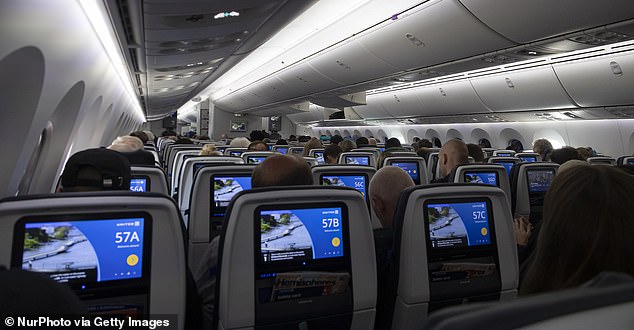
(599, 81)
(438, 32)
(529, 89)
(525, 21)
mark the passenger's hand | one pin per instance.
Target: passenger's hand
(523, 230)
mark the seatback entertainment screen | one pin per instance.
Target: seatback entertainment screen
(282, 150)
(411, 168)
(490, 178)
(358, 182)
(139, 184)
(507, 165)
(84, 252)
(458, 224)
(319, 155)
(528, 159)
(539, 180)
(357, 160)
(255, 159)
(224, 188)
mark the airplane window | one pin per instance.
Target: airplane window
(436, 142)
(25, 182)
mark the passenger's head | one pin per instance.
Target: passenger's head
(379, 162)
(452, 154)
(564, 154)
(282, 170)
(543, 147)
(424, 143)
(313, 143)
(257, 135)
(372, 141)
(336, 139)
(281, 142)
(209, 149)
(331, 154)
(587, 228)
(385, 188)
(392, 143)
(141, 135)
(95, 170)
(515, 145)
(258, 146)
(239, 142)
(584, 153)
(476, 152)
(362, 141)
(183, 140)
(347, 145)
(571, 164)
(126, 143)
(149, 135)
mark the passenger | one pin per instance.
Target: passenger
(424, 143)
(151, 137)
(132, 148)
(347, 145)
(586, 229)
(452, 154)
(423, 152)
(314, 143)
(276, 170)
(379, 162)
(331, 154)
(258, 146)
(570, 164)
(543, 147)
(385, 188)
(515, 145)
(476, 152)
(336, 139)
(239, 142)
(362, 142)
(275, 136)
(584, 153)
(372, 142)
(393, 144)
(95, 170)
(281, 142)
(183, 140)
(256, 135)
(209, 149)
(141, 135)
(484, 143)
(564, 154)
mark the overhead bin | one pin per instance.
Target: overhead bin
(528, 89)
(401, 103)
(456, 97)
(302, 79)
(599, 81)
(314, 113)
(436, 32)
(374, 108)
(526, 21)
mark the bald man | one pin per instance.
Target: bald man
(385, 188)
(452, 154)
(277, 170)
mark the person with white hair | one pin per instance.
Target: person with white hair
(132, 148)
(239, 142)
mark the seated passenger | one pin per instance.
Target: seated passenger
(95, 170)
(385, 188)
(281, 142)
(543, 147)
(276, 170)
(141, 135)
(239, 142)
(362, 142)
(586, 229)
(331, 154)
(258, 146)
(132, 148)
(372, 142)
(336, 139)
(452, 154)
(393, 144)
(209, 149)
(564, 154)
(347, 145)
(476, 152)
(313, 143)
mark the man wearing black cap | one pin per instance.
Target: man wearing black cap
(95, 170)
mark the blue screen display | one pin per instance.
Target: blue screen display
(630, 162)
(226, 187)
(255, 160)
(221, 149)
(282, 150)
(85, 250)
(528, 159)
(138, 185)
(504, 154)
(455, 225)
(481, 177)
(319, 155)
(411, 168)
(507, 165)
(298, 151)
(354, 181)
(235, 153)
(301, 234)
(358, 160)
(539, 180)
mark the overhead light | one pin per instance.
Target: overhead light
(97, 15)
(226, 14)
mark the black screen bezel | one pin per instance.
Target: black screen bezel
(130, 286)
(457, 252)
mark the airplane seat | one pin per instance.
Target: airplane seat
(357, 158)
(625, 160)
(122, 252)
(298, 151)
(353, 176)
(529, 186)
(507, 162)
(256, 157)
(432, 166)
(311, 161)
(283, 149)
(403, 154)
(375, 151)
(236, 152)
(601, 160)
(148, 179)
(177, 164)
(528, 157)
(318, 154)
(414, 166)
(211, 191)
(189, 169)
(605, 302)
(286, 236)
(453, 244)
(503, 153)
(491, 174)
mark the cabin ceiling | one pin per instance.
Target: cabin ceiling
(176, 48)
